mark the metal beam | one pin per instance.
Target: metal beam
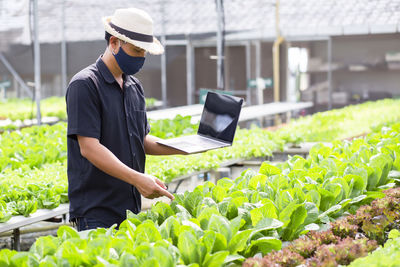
(164, 74)
(63, 52)
(260, 93)
(291, 87)
(276, 61)
(306, 38)
(163, 60)
(15, 75)
(236, 41)
(329, 45)
(189, 72)
(248, 72)
(37, 61)
(210, 42)
(276, 53)
(220, 44)
(230, 42)
(177, 42)
(16, 239)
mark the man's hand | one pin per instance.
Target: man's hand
(151, 147)
(151, 187)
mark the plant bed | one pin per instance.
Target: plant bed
(387, 256)
(348, 238)
(21, 109)
(338, 124)
(225, 223)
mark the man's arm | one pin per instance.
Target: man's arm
(152, 148)
(101, 157)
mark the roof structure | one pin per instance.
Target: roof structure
(183, 17)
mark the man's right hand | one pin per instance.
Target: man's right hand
(151, 187)
(100, 156)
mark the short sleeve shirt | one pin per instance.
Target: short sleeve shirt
(97, 107)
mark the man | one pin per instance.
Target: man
(108, 129)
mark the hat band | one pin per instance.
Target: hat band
(133, 35)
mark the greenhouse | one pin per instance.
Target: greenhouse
(200, 133)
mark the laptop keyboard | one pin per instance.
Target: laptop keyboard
(199, 140)
(194, 143)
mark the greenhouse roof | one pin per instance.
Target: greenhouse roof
(182, 17)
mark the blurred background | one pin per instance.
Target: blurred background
(286, 58)
(330, 52)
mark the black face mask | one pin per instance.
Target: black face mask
(128, 64)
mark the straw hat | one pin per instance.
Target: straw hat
(134, 26)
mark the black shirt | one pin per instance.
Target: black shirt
(97, 107)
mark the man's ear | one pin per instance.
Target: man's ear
(113, 45)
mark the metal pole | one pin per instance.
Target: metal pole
(276, 54)
(37, 61)
(330, 73)
(15, 75)
(276, 59)
(63, 52)
(260, 96)
(17, 88)
(17, 239)
(248, 72)
(277, 19)
(189, 71)
(220, 78)
(164, 74)
(163, 60)
(291, 87)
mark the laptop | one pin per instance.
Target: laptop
(217, 126)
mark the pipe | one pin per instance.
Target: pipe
(189, 71)
(16, 75)
(220, 45)
(37, 62)
(260, 91)
(163, 59)
(34, 230)
(63, 52)
(275, 52)
(329, 72)
(164, 74)
(248, 72)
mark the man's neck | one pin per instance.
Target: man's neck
(113, 67)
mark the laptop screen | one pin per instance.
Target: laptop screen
(220, 116)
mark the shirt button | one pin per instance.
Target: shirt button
(130, 134)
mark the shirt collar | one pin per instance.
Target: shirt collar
(105, 72)
(107, 75)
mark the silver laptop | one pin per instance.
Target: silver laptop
(217, 126)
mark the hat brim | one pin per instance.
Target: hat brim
(154, 48)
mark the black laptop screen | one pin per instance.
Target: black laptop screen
(220, 116)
